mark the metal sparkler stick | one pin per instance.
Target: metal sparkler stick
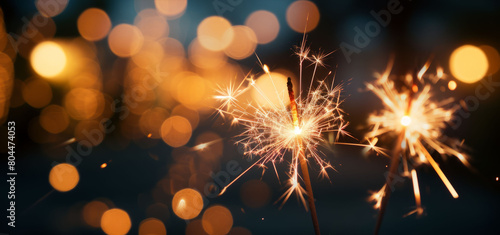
(302, 158)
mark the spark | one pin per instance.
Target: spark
(419, 120)
(280, 131)
(104, 165)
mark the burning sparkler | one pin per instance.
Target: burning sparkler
(419, 121)
(293, 126)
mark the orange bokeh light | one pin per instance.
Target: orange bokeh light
(171, 8)
(115, 222)
(265, 25)
(92, 213)
(48, 59)
(187, 203)
(217, 220)
(152, 226)
(468, 64)
(93, 24)
(243, 44)
(125, 40)
(37, 93)
(215, 33)
(302, 16)
(176, 131)
(64, 177)
(54, 119)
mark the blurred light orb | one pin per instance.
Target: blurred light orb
(37, 93)
(173, 9)
(265, 25)
(204, 58)
(265, 84)
(493, 59)
(115, 222)
(191, 90)
(125, 40)
(152, 226)
(54, 119)
(217, 220)
(468, 64)
(176, 131)
(302, 16)
(452, 85)
(92, 213)
(64, 177)
(152, 24)
(93, 24)
(84, 104)
(50, 8)
(406, 120)
(187, 203)
(215, 33)
(48, 59)
(243, 44)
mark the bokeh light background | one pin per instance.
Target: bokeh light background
(113, 108)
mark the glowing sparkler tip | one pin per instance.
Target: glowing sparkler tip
(297, 130)
(265, 68)
(405, 120)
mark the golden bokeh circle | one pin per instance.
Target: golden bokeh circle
(115, 222)
(48, 59)
(187, 203)
(468, 64)
(64, 177)
(302, 16)
(217, 220)
(93, 24)
(125, 40)
(176, 131)
(265, 25)
(152, 226)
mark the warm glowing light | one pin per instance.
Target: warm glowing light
(265, 25)
(54, 119)
(93, 211)
(405, 120)
(468, 64)
(37, 93)
(217, 220)
(187, 204)
(104, 165)
(452, 85)
(243, 44)
(93, 24)
(176, 131)
(496, 178)
(302, 16)
(297, 130)
(64, 177)
(48, 59)
(125, 40)
(264, 93)
(51, 8)
(215, 33)
(419, 120)
(152, 226)
(115, 222)
(204, 58)
(152, 24)
(171, 8)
